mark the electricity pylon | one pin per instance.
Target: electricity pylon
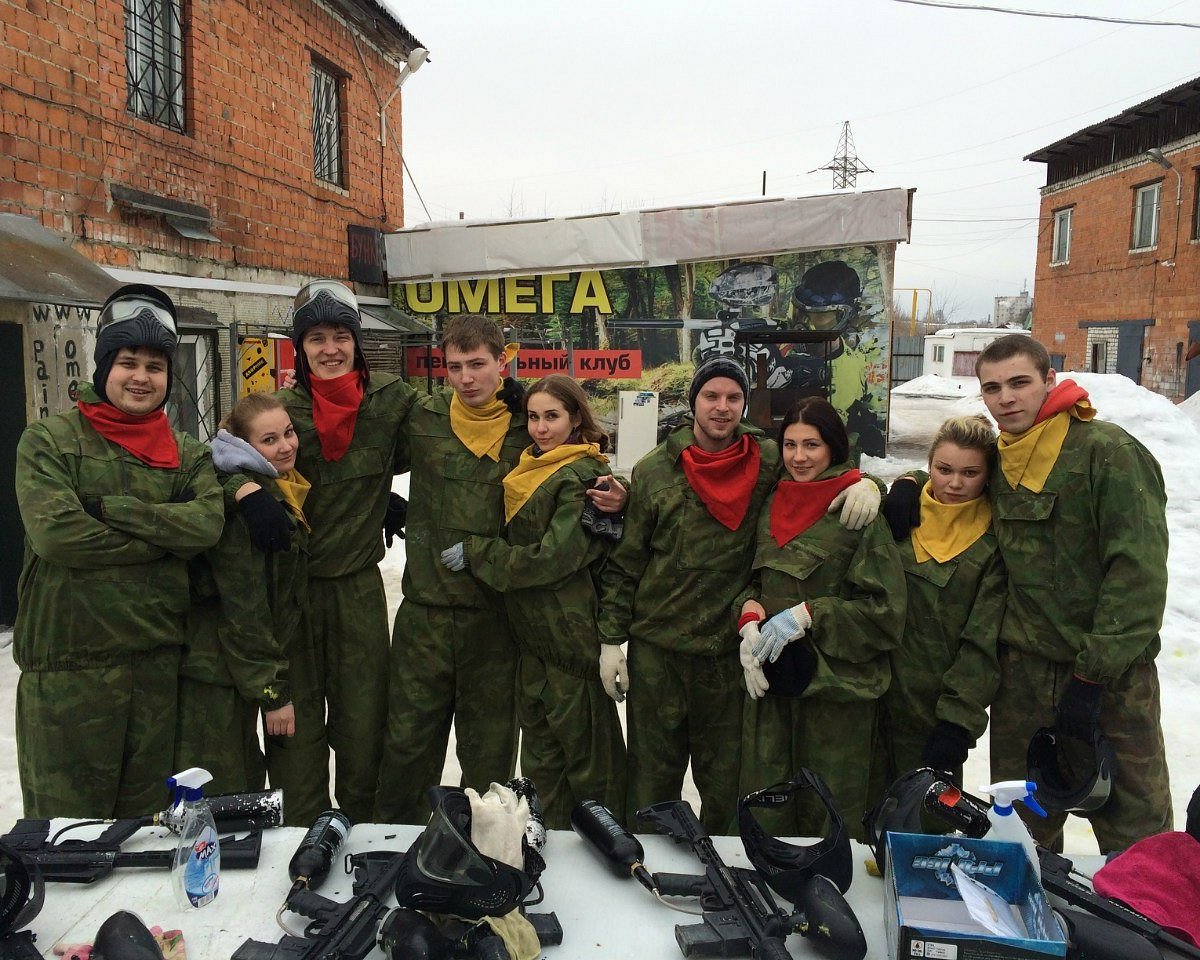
(845, 164)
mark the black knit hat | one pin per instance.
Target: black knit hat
(136, 315)
(331, 302)
(717, 367)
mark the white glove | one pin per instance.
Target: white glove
(752, 671)
(859, 503)
(614, 674)
(453, 558)
(786, 626)
(498, 820)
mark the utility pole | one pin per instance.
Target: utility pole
(845, 164)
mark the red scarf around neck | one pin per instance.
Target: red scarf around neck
(148, 437)
(797, 506)
(724, 481)
(1062, 396)
(335, 411)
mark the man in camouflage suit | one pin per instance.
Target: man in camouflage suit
(114, 503)
(669, 589)
(1083, 533)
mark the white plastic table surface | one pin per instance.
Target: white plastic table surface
(602, 916)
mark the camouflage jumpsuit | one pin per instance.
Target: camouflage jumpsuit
(571, 741)
(668, 588)
(453, 657)
(854, 585)
(1087, 580)
(101, 616)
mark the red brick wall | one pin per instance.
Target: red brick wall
(1105, 282)
(246, 155)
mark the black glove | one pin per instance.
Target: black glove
(513, 395)
(186, 495)
(269, 524)
(94, 508)
(792, 672)
(947, 746)
(902, 507)
(395, 518)
(601, 523)
(1078, 712)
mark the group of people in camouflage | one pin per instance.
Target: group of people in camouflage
(757, 614)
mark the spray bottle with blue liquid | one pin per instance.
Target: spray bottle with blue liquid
(196, 873)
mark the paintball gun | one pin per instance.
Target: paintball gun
(740, 915)
(406, 934)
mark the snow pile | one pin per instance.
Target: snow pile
(933, 385)
(1191, 406)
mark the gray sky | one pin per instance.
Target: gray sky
(554, 107)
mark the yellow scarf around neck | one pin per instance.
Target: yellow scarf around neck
(947, 529)
(531, 472)
(295, 489)
(1027, 458)
(481, 429)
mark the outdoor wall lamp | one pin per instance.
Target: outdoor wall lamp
(1156, 154)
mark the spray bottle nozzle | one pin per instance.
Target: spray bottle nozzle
(1006, 792)
(189, 784)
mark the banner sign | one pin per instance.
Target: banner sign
(535, 364)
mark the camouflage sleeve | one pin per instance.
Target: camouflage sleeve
(55, 522)
(626, 562)
(182, 529)
(869, 619)
(972, 680)
(251, 651)
(1130, 508)
(565, 547)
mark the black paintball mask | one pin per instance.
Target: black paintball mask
(1065, 782)
(136, 315)
(787, 866)
(21, 892)
(919, 797)
(444, 872)
(330, 302)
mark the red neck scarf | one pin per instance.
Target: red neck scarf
(724, 481)
(1062, 397)
(148, 437)
(335, 411)
(797, 506)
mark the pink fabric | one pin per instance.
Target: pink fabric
(1159, 877)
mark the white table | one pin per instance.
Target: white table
(602, 916)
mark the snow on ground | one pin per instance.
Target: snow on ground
(1172, 434)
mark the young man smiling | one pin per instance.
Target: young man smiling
(114, 502)
(1079, 511)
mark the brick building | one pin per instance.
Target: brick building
(1118, 263)
(225, 150)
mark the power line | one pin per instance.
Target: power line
(941, 4)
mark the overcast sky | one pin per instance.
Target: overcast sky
(555, 107)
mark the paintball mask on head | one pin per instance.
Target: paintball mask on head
(1061, 789)
(788, 865)
(21, 892)
(329, 302)
(444, 872)
(136, 315)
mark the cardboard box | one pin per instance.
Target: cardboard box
(925, 917)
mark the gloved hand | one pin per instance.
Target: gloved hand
(268, 521)
(614, 673)
(902, 507)
(394, 519)
(947, 746)
(186, 495)
(859, 503)
(597, 522)
(752, 672)
(786, 626)
(453, 558)
(513, 395)
(94, 508)
(790, 675)
(1078, 711)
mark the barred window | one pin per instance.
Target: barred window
(327, 126)
(154, 61)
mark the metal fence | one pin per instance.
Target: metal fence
(908, 354)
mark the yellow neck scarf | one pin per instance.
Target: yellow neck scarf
(531, 472)
(481, 429)
(947, 529)
(1028, 458)
(295, 491)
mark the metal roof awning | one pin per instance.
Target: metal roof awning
(379, 317)
(39, 266)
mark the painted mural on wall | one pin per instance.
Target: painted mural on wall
(835, 300)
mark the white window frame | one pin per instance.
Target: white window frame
(939, 352)
(1060, 244)
(1146, 202)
